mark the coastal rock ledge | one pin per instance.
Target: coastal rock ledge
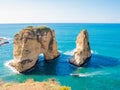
(83, 52)
(30, 43)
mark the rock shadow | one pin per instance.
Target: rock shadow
(98, 61)
(60, 66)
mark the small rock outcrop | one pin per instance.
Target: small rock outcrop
(3, 41)
(30, 43)
(83, 52)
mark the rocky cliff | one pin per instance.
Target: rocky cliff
(30, 43)
(83, 52)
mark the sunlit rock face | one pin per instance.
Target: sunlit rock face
(83, 52)
(30, 43)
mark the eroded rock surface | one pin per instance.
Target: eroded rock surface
(83, 52)
(30, 43)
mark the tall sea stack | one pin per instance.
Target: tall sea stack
(30, 43)
(83, 52)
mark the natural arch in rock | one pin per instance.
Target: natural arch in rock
(30, 43)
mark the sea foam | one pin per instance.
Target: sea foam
(89, 74)
(7, 64)
(6, 38)
(71, 52)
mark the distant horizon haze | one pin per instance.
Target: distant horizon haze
(59, 11)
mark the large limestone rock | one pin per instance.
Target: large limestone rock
(30, 43)
(83, 52)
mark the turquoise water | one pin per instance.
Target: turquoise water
(102, 72)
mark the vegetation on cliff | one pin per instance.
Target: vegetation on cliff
(30, 84)
(40, 28)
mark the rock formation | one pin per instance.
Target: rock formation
(3, 41)
(30, 43)
(83, 52)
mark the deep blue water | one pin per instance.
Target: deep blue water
(102, 72)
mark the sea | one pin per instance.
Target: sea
(102, 72)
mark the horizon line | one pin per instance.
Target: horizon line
(62, 22)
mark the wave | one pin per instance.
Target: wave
(89, 74)
(7, 64)
(5, 38)
(94, 52)
(60, 51)
(72, 52)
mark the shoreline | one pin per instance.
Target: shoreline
(7, 64)
(30, 84)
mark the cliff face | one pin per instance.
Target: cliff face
(30, 43)
(83, 51)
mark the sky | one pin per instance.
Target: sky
(59, 11)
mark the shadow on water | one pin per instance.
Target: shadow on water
(98, 61)
(61, 65)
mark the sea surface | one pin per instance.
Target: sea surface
(102, 72)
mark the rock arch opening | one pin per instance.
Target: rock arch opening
(41, 57)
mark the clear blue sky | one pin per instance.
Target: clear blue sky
(46, 11)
